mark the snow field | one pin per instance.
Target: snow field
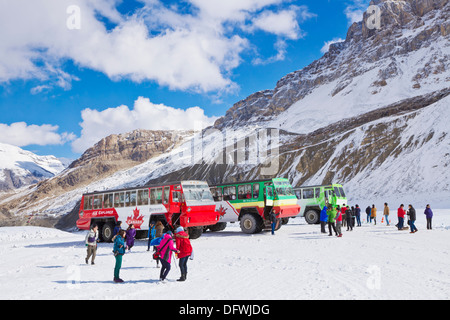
(371, 262)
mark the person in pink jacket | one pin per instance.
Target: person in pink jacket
(339, 222)
(165, 248)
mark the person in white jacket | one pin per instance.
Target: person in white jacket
(91, 243)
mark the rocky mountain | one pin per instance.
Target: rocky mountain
(372, 114)
(20, 168)
(407, 56)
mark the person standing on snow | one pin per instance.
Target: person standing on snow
(401, 217)
(358, 215)
(386, 213)
(412, 218)
(349, 218)
(429, 214)
(91, 243)
(273, 221)
(165, 248)
(184, 247)
(332, 220)
(131, 234)
(323, 219)
(368, 212)
(373, 214)
(119, 251)
(339, 223)
(151, 233)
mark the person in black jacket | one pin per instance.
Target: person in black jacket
(412, 218)
(369, 213)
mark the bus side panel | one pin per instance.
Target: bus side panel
(227, 211)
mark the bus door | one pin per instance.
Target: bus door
(175, 208)
(268, 196)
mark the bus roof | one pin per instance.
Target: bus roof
(244, 182)
(317, 186)
(162, 184)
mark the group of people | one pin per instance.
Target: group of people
(337, 217)
(124, 240)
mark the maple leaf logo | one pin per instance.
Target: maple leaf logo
(137, 220)
(222, 211)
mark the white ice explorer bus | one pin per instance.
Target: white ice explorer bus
(312, 199)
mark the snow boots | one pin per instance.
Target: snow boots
(183, 277)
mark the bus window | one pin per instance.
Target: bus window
(127, 199)
(97, 202)
(108, 201)
(153, 196)
(317, 193)
(336, 192)
(116, 200)
(166, 195)
(122, 199)
(308, 193)
(298, 194)
(142, 197)
(244, 191)
(159, 195)
(87, 203)
(133, 198)
(229, 193)
(342, 192)
(176, 196)
(217, 193)
(255, 190)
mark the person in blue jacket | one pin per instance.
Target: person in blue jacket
(151, 233)
(358, 215)
(323, 219)
(119, 251)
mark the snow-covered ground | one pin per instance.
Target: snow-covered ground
(371, 262)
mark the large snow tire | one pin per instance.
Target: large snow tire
(312, 217)
(250, 224)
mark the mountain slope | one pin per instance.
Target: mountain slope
(19, 167)
(408, 56)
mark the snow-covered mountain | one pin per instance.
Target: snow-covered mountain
(19, 167)
(371, 114)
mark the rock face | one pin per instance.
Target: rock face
(408, 30)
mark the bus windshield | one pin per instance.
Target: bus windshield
(283, 188)
(197, 193)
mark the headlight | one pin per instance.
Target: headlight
(189, 209)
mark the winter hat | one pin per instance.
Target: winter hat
(169, 233)
(179, 229)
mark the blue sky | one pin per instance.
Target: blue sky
(74, 71)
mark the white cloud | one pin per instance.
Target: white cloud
(144, 115)
(21, 134)
(327, 44)
(194, 50)
(355, 10)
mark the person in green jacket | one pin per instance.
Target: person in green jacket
(119, 251)
(332, 220)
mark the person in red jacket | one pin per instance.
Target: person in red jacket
(185, 250)
(401, 217)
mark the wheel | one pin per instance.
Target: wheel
(312, 217)
(219, 226)
(107, 231)
(285, 220)
(250, 224)
(195, 232)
